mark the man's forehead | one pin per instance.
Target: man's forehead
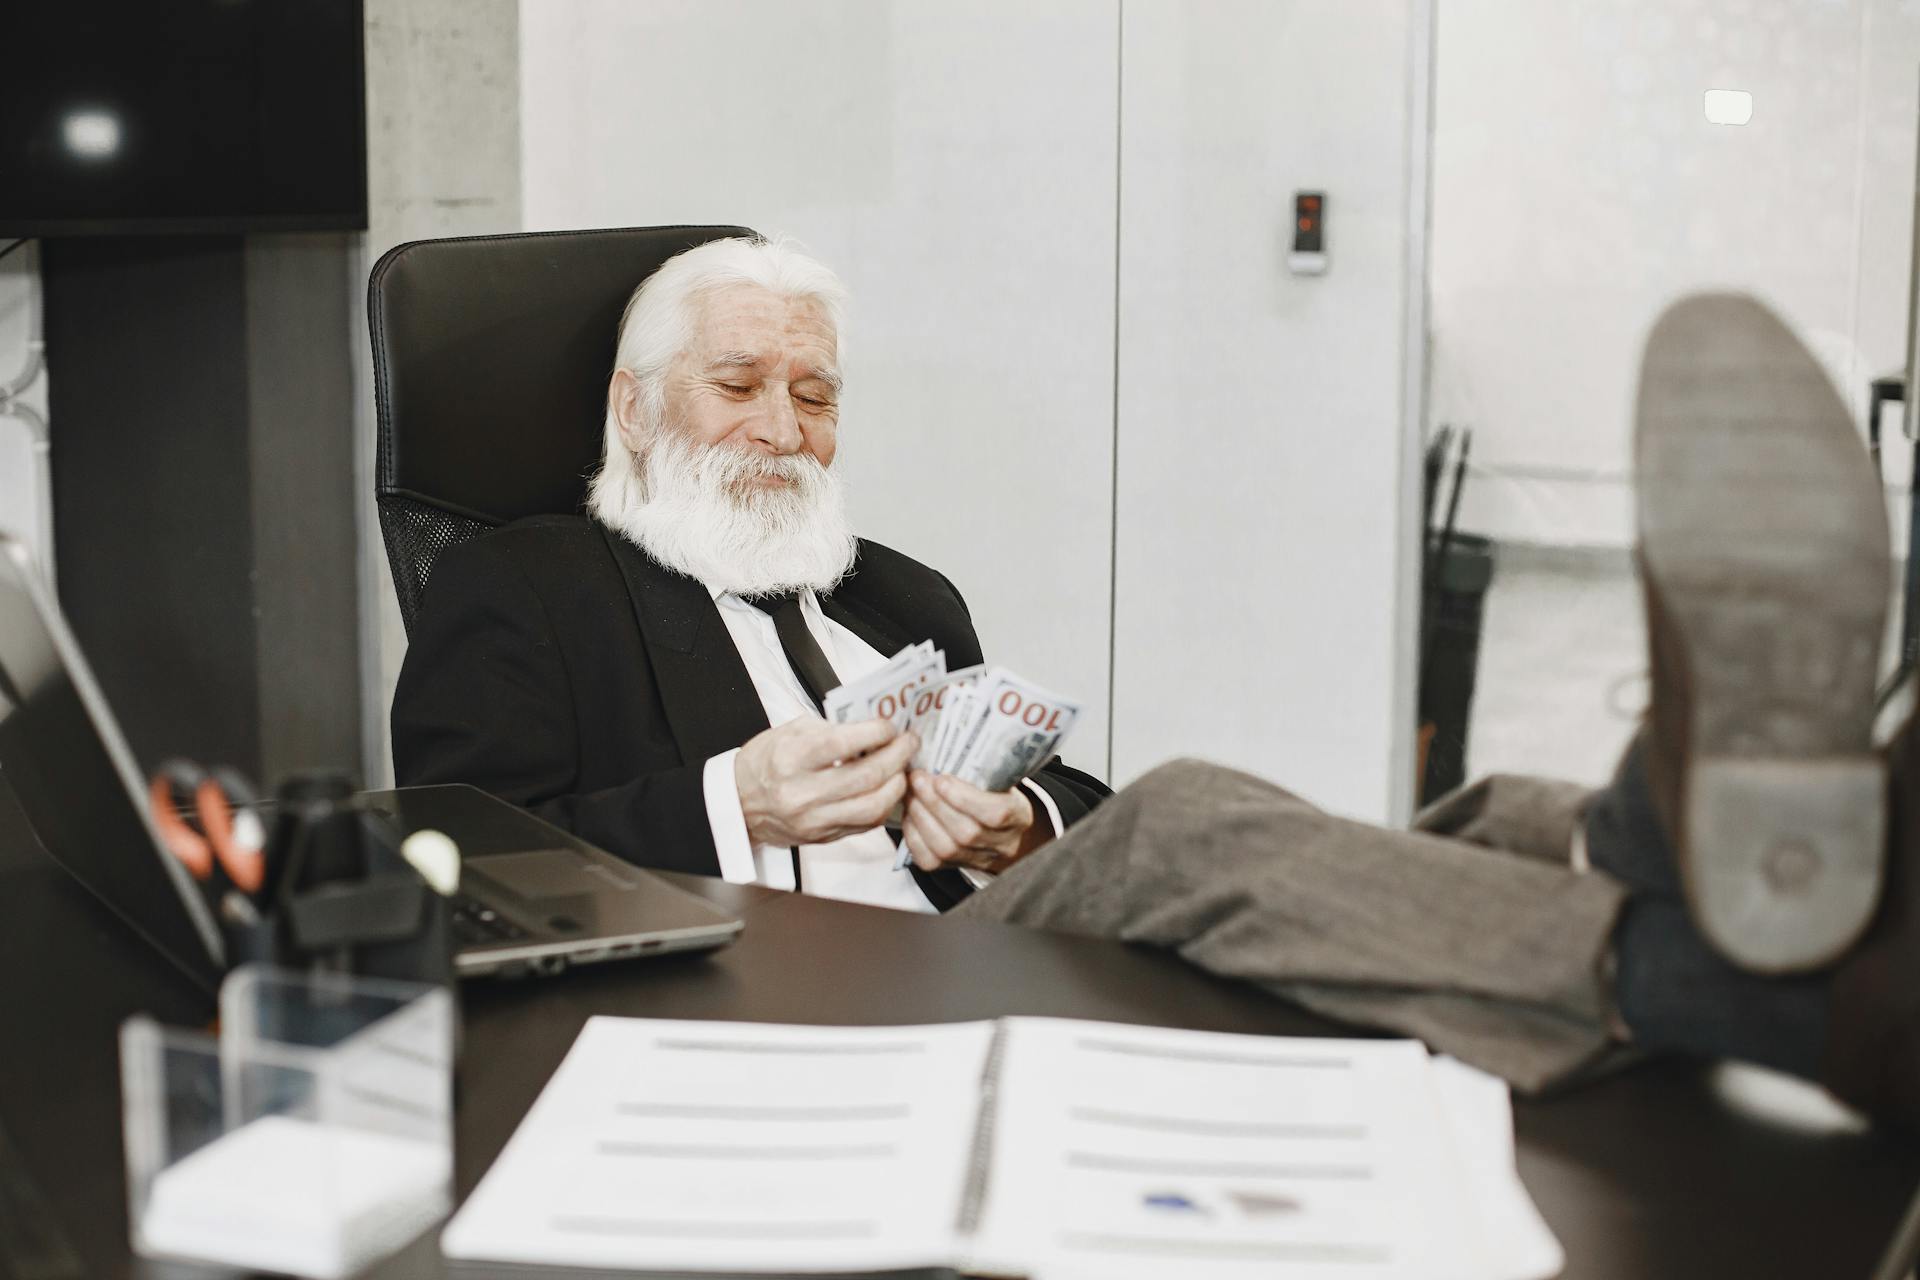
(745, 324)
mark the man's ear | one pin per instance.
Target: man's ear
(623, 398)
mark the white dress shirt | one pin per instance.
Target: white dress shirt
(857, 868)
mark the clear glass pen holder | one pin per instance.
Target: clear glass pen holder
(311, 1136)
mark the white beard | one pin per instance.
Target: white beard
(699, 514)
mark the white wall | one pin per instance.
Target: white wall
(1578, 189)
(956, 165)
(1261, 522)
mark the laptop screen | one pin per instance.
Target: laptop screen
(76, 781)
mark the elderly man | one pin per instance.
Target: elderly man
(619, 673)
(650, 676)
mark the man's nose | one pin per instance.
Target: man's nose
(776, 424)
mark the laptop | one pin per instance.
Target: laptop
(532, 899)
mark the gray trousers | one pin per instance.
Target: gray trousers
(1472, 933)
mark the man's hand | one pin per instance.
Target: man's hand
(950, 822)
(809, 782)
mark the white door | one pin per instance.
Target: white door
(1262, 516)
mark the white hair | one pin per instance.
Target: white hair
(658, 326)
(701, 509)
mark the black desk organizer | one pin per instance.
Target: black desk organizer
(339, 896)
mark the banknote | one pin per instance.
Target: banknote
(955, 715)
(1015, 731)
(886, 693)
(929, 701)
(989, 727)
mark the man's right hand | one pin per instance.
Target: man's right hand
(810, 782)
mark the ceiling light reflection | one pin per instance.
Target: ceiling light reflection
(93, 134)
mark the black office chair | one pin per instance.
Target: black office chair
(490, 360)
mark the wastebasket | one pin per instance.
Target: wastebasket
(1452, 612)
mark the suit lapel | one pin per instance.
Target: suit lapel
(882, 633)
(709, 699)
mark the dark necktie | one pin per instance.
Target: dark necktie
(803, 651)
(803, 655)
(943, 888)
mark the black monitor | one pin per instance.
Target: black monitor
(76, 781)
(145, 116)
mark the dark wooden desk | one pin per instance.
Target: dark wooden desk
(1651, 1173)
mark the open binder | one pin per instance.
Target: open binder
(1022, 1147)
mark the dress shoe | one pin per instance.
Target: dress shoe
(1765, 562)
(1873, 1040)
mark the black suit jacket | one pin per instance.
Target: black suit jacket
(559, 667)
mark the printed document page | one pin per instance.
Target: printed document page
(1123, 1152)
(664, 1145)
(1516, 1240)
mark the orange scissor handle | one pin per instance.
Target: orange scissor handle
(182, 841)
(238, 851)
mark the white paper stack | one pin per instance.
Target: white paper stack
(304, 1199)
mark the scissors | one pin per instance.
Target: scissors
(207, 821)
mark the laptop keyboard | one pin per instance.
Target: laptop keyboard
(476, 924)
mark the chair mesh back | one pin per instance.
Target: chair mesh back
(490, 358)
(416, 534)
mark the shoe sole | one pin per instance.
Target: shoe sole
(1767, 565)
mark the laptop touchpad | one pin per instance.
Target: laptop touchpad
(548, 873)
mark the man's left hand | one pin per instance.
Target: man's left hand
(952, 823)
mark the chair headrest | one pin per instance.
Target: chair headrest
(491, 358)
